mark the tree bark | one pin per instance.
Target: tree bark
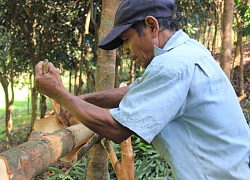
(43, 106)
(239, 55)
(6, 80)
(225, 55)
(34, 95)
(239, 47)
(8, 110)
(124, 170)
(105, 79)
(51, 142)
(216, 22)
(33, 157)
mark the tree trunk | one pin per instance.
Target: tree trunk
(51, 142)
(90, 77)
(8, 113)
(239, 48)
(6, 79)
(132, 71)
(105, 79)
(216, 22)
(77, 77)
(34, 95)
(118, 64)
(29, 90)
(33, 157)
(43, 106)
(239, 54)
(70, 77)
(225, 55)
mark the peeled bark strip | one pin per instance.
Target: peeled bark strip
(124, 170)
(60, 113)
(79, 151)
(127, 159)
(113, 158)
(48, 124)
(33, 157)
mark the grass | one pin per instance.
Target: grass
(21, 112)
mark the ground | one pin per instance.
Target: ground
(245, 103)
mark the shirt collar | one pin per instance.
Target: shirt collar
(177, 39)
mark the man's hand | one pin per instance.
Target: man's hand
(49, 83)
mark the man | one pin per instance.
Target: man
(183, 104)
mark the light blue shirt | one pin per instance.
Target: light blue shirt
(186, 107)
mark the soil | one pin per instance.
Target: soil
(245, 103)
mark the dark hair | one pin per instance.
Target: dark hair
(164, 23)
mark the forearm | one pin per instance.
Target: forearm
(95, 118)
(106, 99)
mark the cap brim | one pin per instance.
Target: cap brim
(112, 39)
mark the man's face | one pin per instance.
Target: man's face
(139, 48)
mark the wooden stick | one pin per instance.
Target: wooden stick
(45, 66)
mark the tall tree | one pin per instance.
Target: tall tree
(226, 48)
(7, 71)
(7, 82)
(105, 79)
(239, 12)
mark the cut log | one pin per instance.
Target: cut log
(44, 148)
(53, 123)
(33, 157)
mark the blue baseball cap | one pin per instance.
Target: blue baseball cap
(131, 11)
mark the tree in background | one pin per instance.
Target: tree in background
(105, 79)
(240, 13)
(226, 48)
(9, 70)
(7, 82)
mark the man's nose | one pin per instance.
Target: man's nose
(125, 49)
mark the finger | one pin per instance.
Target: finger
(38, 68)
(52, 68)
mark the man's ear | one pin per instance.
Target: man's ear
(152, 25)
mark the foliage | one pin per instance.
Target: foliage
(76, 172)
(196, 14)
(246, 18)
(148, 165)
(46, 29)
(190, 29)
(244, 11)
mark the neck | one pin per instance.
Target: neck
(164, 36)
